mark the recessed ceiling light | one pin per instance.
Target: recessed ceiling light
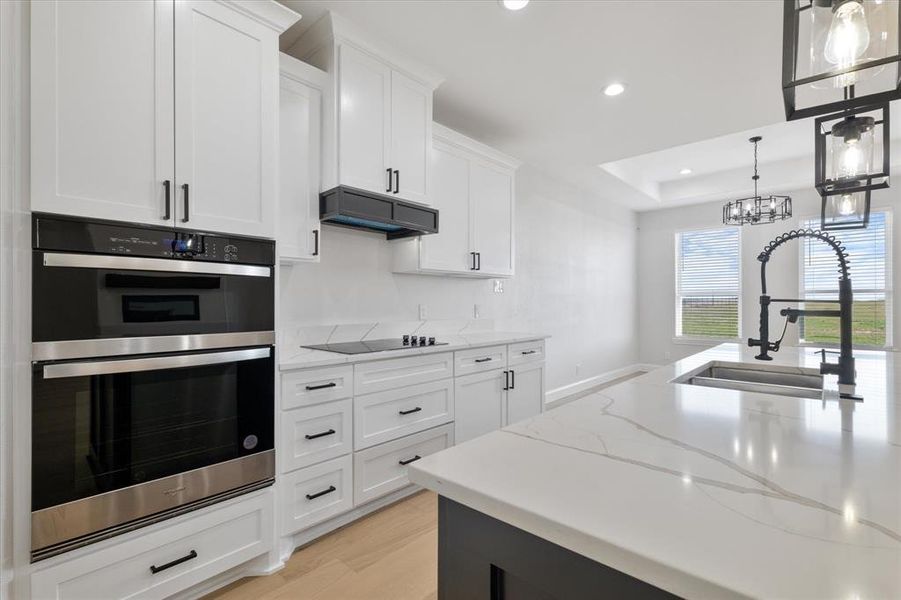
(685, 171)
(513, 4)
(614, 89)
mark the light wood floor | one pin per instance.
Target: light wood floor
(391, 554)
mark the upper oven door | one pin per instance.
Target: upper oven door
(90, 296)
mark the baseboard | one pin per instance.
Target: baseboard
(553, 397)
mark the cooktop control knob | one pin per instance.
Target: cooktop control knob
(413, 340)
(431, 341)
(406, 340)
(422, 340)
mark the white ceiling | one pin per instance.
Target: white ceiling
(530, 83)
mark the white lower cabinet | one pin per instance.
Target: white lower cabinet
(391, 414)
(314, 494)
(316, 433)
(166, 561)
(382, 469)
(525, 394)
(480, 405)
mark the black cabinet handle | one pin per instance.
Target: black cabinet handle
(396, 181)
(167, 186)
(481, 360)
(330, 489)
(190, 555)
(389, 179)
(479, 261)
(512, 379)
(529, 351)
(506, 380)
(473, 267)
(409, 460)
(315, 242)
(310, 388)
(313, 436)
(409, 412)
(187, 216)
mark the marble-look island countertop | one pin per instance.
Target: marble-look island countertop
(706, 493)
(296, 357)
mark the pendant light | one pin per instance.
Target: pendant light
(839, 55)
(757, 209)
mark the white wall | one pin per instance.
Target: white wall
(657, 275)
(575, 279)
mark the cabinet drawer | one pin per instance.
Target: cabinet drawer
(477, 360)
(381, 470)
(316, 433)
(312, 386)
(388, 415)
(210, 544)
(389, 374)
(525, 352)
(316, 493)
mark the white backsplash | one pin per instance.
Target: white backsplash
(293, 335)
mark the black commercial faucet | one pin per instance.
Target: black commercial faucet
(845, 366)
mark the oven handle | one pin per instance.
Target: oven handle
(131, 365)
(166, 265)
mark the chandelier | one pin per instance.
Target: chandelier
(757, 209)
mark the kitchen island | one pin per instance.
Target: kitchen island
(651, 488)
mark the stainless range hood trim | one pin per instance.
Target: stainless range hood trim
(70, 349)
(60, 528)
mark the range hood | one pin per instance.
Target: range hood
(361, 209)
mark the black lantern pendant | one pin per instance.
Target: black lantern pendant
(852, 159)
(757, 209)
(839, 55)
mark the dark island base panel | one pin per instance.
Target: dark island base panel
(482, 558)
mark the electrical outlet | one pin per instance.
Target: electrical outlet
(476, 311)
(498, 286)
(422, 316)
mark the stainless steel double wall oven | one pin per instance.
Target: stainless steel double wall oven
(153, 375)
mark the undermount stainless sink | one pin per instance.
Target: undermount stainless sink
(798, 383)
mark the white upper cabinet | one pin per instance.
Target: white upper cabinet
(128, 96)
(474, 194)
(300, 122)
(378, 115)
(102, 110)
(364, 122)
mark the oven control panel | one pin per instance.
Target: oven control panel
(56, 233)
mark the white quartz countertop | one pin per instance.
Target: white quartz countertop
(707, 493)
(301, 358)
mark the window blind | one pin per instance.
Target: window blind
(869, 259)
(708, 283)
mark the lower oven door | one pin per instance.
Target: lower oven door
(120, 443)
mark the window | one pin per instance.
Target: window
(708, 283)
(869, 259)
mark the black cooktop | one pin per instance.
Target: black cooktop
(375, 345)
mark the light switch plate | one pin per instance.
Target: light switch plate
(498, 286)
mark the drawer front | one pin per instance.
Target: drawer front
(317, 493)
(313, 386)
(386, 416)
(525, 352)
(381, 470)
(313, 434)
(477, 360)
(394, 373)
(191, 550)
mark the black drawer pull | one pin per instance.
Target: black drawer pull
(530, 351)
(409, 412)
(316, 242)
(167, 187)
(506, 380)
(313, 436)
(310, 388)
(187, 216)
(190, 555)
(330, 489)
(481, 360)
(409, 460)
(512, 379)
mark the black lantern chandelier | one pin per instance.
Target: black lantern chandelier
(757, 209)
(842, 59)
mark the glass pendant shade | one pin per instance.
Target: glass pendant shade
(839, 54)
(846, 211)
(852, 151)
(852, 148)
